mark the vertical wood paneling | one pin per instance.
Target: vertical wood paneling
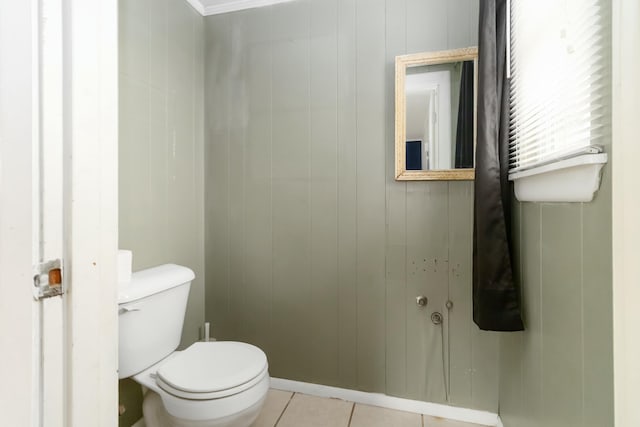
(370, 167)
(479, 363)
(565, 352)
(217, 177)
(349, 248)
(291, 185)
(161, 145)
(197, 85)
(161, 175)
(485, 370)
(324, 191)
(511, 368)
(460, 320)
(462, 386)
(427, 274)
(307, 233)
(510, 365)
(184, 192)
(347, 194)
(158, 56)
(597, 348)
(134, 39)
(190, 251)
(428, 26)
(256, 299)
(466, 13)
(561, 324)
(566, 282)
(133, 126)
(238, 142)
(397, 298)
(530, 243)
(236, 104)
(158, 195)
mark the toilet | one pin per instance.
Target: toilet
(208, 384)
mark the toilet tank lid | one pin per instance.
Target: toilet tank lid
(154, 280)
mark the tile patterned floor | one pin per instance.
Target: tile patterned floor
(286, 409)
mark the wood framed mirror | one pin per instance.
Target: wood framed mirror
(436, 99)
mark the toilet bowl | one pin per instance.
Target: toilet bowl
(209, 384)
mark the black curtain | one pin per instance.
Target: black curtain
(496, 302)
(464, 130)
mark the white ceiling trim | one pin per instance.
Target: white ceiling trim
(227, 6)
(197, 6)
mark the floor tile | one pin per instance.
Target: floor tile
(373, 416)
(442, 422)
(311, 411)
(274, 405)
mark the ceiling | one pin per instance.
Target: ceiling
(214, 7)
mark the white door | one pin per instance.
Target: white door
(58, 203)
(18, 311)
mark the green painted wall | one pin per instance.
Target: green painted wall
(162, 149)
(161, 141)
(313, 251)
(559, 371)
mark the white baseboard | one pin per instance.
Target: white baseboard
(499, 423)
(384, 401)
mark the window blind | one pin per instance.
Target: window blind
(559, 101)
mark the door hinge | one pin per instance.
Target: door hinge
(47, 279)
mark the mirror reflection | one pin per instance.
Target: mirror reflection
(435, 115)
(439, 116)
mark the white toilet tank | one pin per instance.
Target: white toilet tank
(151, 311)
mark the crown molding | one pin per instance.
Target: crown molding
(197, 6)
(231, 6)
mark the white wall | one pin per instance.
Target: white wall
(626, 210)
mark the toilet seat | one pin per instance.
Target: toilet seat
(212, 370)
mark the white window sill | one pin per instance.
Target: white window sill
(571, 180)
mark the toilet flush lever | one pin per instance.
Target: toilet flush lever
(125, 309)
